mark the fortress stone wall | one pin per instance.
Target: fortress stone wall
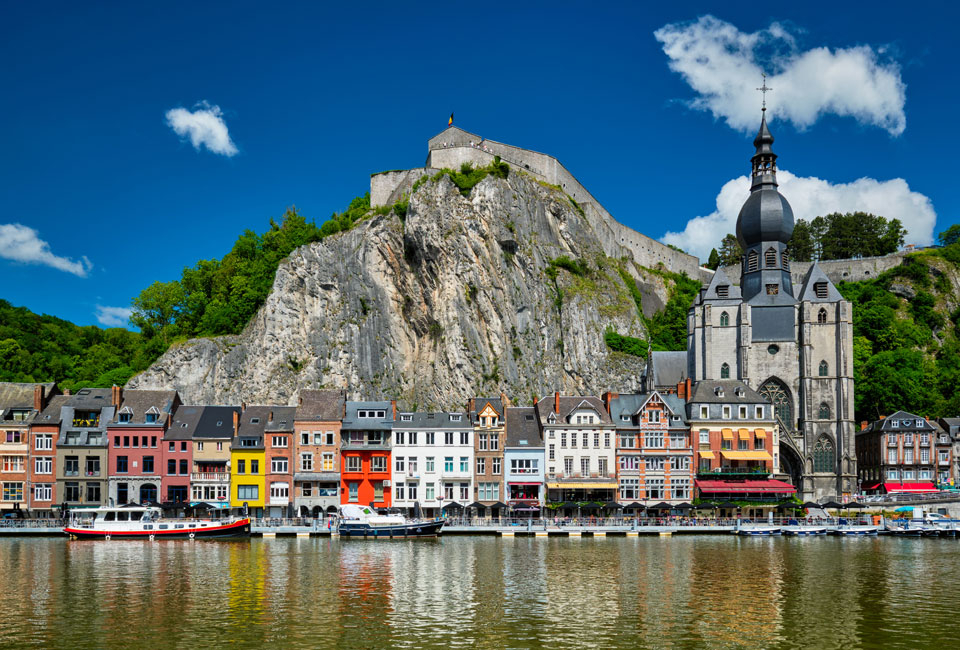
(454, 147)
(852, 270)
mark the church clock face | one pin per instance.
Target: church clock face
(776, 392)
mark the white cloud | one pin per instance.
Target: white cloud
(205, 126)
(811, 197)
(724, 65)
(113, 316)
(23, 244)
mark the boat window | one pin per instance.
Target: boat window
(148, 526)
(163, 526)
(110, 516)
(178, 526)
(122, 516)
(193, 525)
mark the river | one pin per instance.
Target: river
(484, 592)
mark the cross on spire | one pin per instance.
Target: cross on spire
(764, 88)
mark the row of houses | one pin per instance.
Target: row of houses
(713, 441)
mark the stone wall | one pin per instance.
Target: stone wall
(853, 270)
(454, 147)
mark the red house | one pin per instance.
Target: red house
(366, 440)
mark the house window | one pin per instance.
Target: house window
(704, 436)
(44, 492)
(306, 462)
(630, 463)
(653, 439)
(726, 412)
(279, 465)
(429, 465)
(704, 412)
(328, 462)
(399, 492)
(248, 492)
(378, 490)
(378, 464)
(585, 440)
(759, 443)
(654, 488)
(823, 368)
(13, 463)
(726, 443)
(584, 467)
(353, 464)
(280, 441)
(43, 465)
(743, 445)
(822, 316)
(606, 440)
(448, 464)
(482, 465)
(629, 489)
(399, 464)
(43, 442)
(724, 319)
(496, 466)
(742, 413)
(121, 464)
(353, 489)
(653, 417)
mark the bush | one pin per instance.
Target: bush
(626, 344)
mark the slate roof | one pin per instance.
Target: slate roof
(183, 425)
(666, 369)
(209, 422)
(138, 402)
(720, 278)
(51, 413)
(815, 274)
(320, 406)
(522, 425)
(886, 424)
(704, 393)
(90, 399)
(950, 425)
(569, 404)
(630, 404)
(253, 422)
(480, 403)
(283, 417)
(16, 395)
(352, 423)
(432, 420)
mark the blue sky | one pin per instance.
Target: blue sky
(652, 108)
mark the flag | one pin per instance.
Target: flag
(450, 122)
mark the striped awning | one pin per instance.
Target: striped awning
(746, 455)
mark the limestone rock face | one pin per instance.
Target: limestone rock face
(455, 300)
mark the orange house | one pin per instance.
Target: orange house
(366, 441)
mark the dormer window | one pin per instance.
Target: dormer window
(456, 417)
(770, 258)
(254, 420)
(406, 417)
(820, 288)
(753, 261)
(151, 415)
(723, 290)
(625, 418)
(718, 391)
(124, 417)
(895, 424)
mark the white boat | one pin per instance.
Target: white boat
(362, 521)
(143, 522)
(804, 531)
(855, 531)
(758, 531)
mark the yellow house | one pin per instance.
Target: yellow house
(248, 462)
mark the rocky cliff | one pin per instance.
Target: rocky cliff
(462, 297)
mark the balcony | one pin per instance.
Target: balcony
(86, 423)
(366, 443)
(734, 471)
(211, 477)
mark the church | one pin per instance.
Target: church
(793, 345)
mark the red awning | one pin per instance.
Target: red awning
(745, 487)
(909, 487)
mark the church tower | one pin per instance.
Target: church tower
(794, 349)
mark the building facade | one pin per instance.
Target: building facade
(366, 443)
(794, 347)
(280, 449)
(44, 433)
(19, 404)
(316, 477)
(211, 430)
(248, 461)
(82, 448)
(523, 458)
(902, 454)
(433, 460)
(489, 435)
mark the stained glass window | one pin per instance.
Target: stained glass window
(776, 392)
(824, 458)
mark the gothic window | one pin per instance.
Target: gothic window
(724, 319)
(753, 261)
(770, 258)
(725, 371)
(775, 391)
(822, 315)
(824, 458)
(824, 411)
(824, 368)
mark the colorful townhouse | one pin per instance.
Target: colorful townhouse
(523, 457)
(735, 446)
(135, 437)
(581, 450)
(433, 462)
(366, 443)
(279, 447)
(212, 431)
(44, 432)
(19, 403)
(899, 454)
(489, 435)
(316, 478)
(654, 451)
(951, 436)
(248, 461)
(81, 455)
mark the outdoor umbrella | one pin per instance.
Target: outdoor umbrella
(590, 506)
(811, 504)
(499, 504)
(684, 506)
(831, 504)
(706, 506)
(663, 505)
(477, 505)
(634, 506)
(728, 504)
(904, 509)
(453, 505)
(613, 505)
(855, 505)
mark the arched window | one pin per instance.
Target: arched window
(776, 391)
(770, 258)
(824, 368)
(824, 457)
(753, 261)
(725, 371)
(148, 493)
(822, 315)
(824, 411)
(724, 319)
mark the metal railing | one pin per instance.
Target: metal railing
(223, 477)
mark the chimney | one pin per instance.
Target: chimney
(689, 388)
(503, 399)
(883, 417)
(116, 396)
(393, 404)
(38, 398)
(270, 419)
(236, 423)
(473, 404)
(243, 406)
(169, 418)
(556, 402)
(682, 390)
(607, 398)
(535, 400)
(864, 425)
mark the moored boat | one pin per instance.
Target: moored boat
(363, 521)
(758, 531)
(855, 531)
(135, 522)
(804, 531)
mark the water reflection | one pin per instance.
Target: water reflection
(481, 592)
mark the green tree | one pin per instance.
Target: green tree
(801, 242)
(156, 309)
(730, 251)
(950, 236)
(818, 230)
(714, 260)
